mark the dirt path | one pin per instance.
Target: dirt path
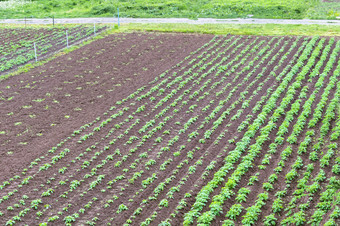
(171, 20)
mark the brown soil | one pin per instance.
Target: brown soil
(130, 145)
(105, 71)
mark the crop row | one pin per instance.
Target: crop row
(20, 51)
(190, 140)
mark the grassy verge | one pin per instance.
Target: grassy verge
(236, 29)
(239, 29)
(287, 9)
(325, 9)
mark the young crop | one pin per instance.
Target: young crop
(234, 211)
(121, 208)
(250, 99)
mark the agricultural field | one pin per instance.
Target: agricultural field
(175, 129)
(17, 45)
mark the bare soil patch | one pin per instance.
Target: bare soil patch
(45, 105)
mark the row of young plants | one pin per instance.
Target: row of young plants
(12, 49)
(312, 189)
(117, 164)
(198, 98)
(233, 156)
(260, 102)
(16, 54)
(191, 169)
(75, 132)
(162, 164)
(88, 125)
(165, 163)
(13, 39)
(303, 190)
(254, 151)
(250, 217)
(278, 203)
(182, 202)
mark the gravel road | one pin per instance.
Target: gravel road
(171, 20)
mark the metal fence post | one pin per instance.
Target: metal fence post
(67, 38)
(35, 53)
(118, 17)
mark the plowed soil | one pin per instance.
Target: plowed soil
(149, 129)
(45, 105)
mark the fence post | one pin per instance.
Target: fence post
(53, 20)
(67, 38)
(118, 16)
(94, 29)
(35, 53)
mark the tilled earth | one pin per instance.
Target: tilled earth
(42, 106)
(148, 129)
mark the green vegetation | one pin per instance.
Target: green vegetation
(28, 66)
(329, 9)
(218, 29)
(282, 92)
(288, 86)
(290, 9)
(15, 53)
(240, 29)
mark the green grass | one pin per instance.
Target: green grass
(240, 29)
(328, 10)
(293, 9)
(235, 29)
